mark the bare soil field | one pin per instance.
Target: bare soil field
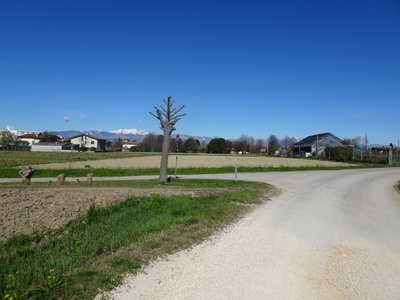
(37, 209)
(29, 209)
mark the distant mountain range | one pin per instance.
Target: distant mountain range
(129, 134)
(132, 134)
(133, 131)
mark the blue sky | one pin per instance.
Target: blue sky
(249, 67)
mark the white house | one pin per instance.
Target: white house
(89, 141)
(127, 145)
(30, 138)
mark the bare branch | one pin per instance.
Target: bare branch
(178, 116)
(153, 115)
(165, 111)
(179, 109)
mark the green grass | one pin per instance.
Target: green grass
(95, 251)
(7, 172)
(11, 162)
(17, 158)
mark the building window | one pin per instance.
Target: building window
(92, 142)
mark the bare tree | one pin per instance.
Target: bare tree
(150, 143)
(256, 148)
(273, 141)
(168, 118)
(272, 144)
(243, 144)
(347, 142)
(287, 141)
(356, 141)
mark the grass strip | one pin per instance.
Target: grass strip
(95, 251)
(17, 158)
(8, 172)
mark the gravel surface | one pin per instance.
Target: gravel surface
(328, 235)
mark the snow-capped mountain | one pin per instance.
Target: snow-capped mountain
(130, 134)
(129, 131)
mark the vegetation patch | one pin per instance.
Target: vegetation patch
(96, 250)
(135, 164)
(109, 172)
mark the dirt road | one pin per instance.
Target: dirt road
(328, 235)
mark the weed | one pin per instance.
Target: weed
(95, 251)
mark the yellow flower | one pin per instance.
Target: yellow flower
(122, 275)
(7, 296)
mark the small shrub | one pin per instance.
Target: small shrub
(339, 153)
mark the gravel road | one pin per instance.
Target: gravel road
(328, 235)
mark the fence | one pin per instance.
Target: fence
(387, 156)
(15, 148)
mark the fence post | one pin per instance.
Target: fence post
(236, 168)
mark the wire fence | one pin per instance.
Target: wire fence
(386, 156)
(15, 148)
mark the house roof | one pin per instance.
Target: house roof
(312, 139)
(30, 136)
(130, 143)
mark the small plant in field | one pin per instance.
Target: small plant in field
(52, 285)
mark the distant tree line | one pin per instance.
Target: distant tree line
(153, 143)
(244, 144)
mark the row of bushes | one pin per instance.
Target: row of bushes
(339, 153)
(346, 154)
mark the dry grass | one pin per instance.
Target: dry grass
(194, 161)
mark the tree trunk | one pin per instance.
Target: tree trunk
(168, 117)
(164, 158)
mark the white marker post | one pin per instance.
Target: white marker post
(177, 150)
(236, 168)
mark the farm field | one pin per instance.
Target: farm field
(44, 206)
(37, 208)
(193, 161)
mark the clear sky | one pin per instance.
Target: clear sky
(249, 67)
